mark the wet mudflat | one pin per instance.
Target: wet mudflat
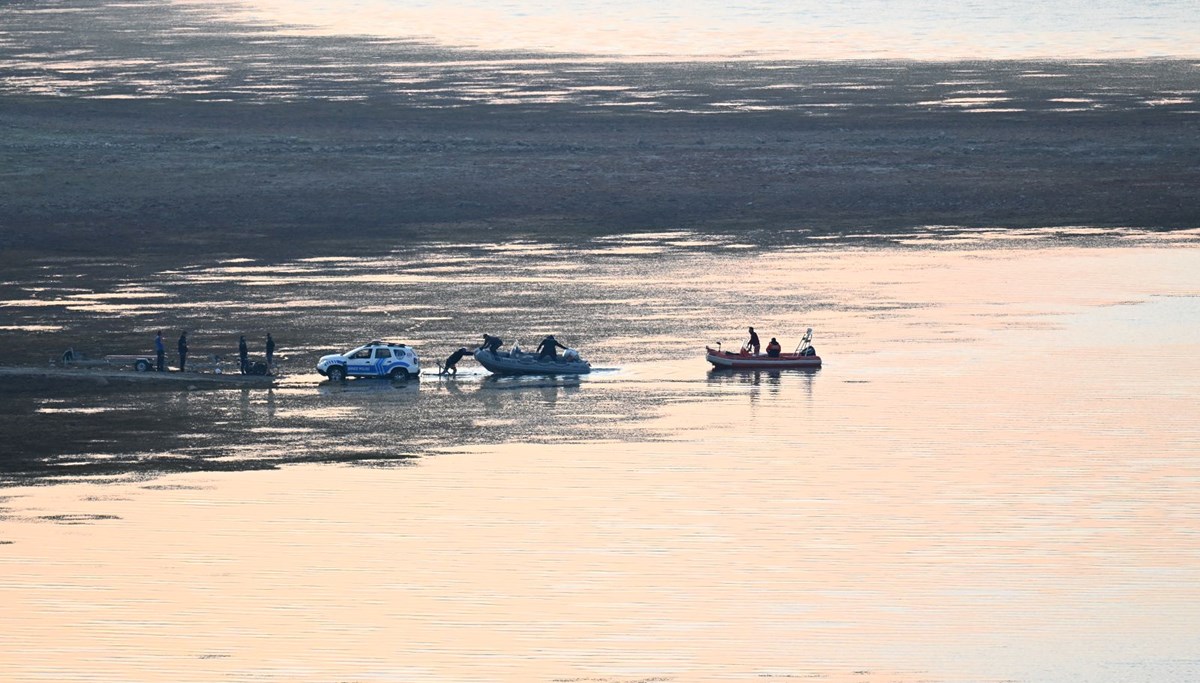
(991, 478)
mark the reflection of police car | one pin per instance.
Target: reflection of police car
(377, 359)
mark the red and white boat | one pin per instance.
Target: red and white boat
(805, 356)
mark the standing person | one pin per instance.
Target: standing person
(270, 349)
(183, 350)
(243, 354)
(753, 343)
(773, 348)
(160, 351)
(547, 348)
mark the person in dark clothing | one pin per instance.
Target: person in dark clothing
(450, 367)
(243, 355)
(270, 350)
(491, 343)
(753, 343)
(773, 348)
(547, 348)
(160, 351)
(183, 351)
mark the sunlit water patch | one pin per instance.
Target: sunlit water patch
(799, 30)
(1003, 422)
(207, 52)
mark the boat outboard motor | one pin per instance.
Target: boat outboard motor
(570, 354)
(809, 351)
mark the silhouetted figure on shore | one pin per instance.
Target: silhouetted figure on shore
(183, 351)
(270, 350)
(160, 352)
(243, 354)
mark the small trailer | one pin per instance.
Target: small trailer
(141, 362)
(138, 370)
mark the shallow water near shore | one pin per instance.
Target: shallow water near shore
(991, 478)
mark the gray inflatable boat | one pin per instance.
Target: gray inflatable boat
(519, 363)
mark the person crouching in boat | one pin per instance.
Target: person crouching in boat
(491, 343)
(547, 348)
(773, 348)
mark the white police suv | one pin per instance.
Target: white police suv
(377, 359)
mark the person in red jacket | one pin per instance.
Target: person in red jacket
(773, 348)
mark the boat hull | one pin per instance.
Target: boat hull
(529, 364)
(740, 361)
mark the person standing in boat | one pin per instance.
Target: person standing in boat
(491, 343)
(753, 343)
(547, 348)
(773, 348)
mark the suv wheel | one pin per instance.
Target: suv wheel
(336, 373)
(398, 374)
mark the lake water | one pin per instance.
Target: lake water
(751, 58)
(800, 29)
(992, 478)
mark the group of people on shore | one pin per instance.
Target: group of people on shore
(244, 364)
(773, 347)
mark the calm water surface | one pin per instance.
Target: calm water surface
(992, 478)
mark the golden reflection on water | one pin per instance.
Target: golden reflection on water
(992, 478)
(819, 60)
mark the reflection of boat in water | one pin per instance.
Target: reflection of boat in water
(518, 382)
(805, 356)
(331, 387)
(513, 392)
(519, 363)
(719, 375)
